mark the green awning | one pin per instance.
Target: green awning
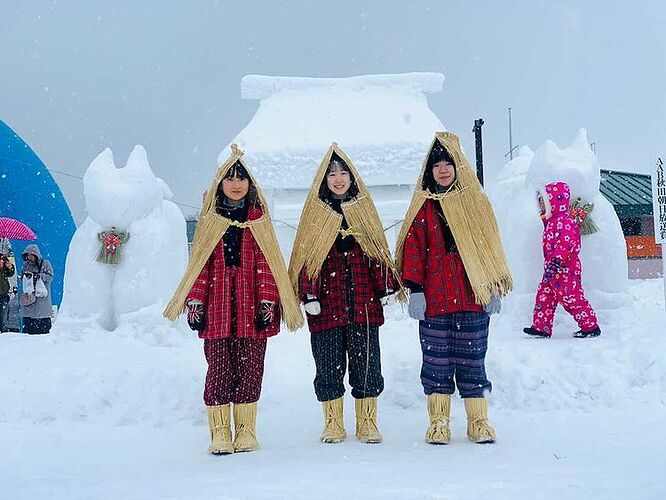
(629, 193)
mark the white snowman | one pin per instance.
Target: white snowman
(151, 255)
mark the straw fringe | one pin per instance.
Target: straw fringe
(320, 225)
(472, 221)
(209, 231)
(211, 228)
(265, 236)
(363, 218)
(317, 230)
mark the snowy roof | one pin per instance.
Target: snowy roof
(382, 122)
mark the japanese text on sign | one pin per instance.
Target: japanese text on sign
(659, 202)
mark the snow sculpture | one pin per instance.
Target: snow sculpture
(603, 253)
(382, 121)
(134, 201)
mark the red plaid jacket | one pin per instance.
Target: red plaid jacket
(250, 283)
(427, 263)
(349, 289)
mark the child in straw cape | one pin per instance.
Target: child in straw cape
(452, 261)
(343, 272)
(561, 281)
(234, 291)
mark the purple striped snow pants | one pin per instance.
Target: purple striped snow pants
(454, 350)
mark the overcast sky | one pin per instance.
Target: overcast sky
(76, 77)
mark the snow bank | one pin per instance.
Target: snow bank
(121, 378)
(382, 121)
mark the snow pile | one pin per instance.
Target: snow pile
(382, 121)
(603, 254)
(121, 379)
(132, 293)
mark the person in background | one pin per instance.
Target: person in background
(561, 282)
(6, 271)
(13, 323)
(37, 315)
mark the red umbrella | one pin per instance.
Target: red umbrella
(15, 230)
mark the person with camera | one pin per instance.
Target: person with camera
(35, 300)
(6, 271)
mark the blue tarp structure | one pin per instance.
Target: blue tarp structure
(29, 193)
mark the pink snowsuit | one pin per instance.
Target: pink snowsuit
(561, 242)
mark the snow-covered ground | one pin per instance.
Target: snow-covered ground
(96, 414)
(109, 405)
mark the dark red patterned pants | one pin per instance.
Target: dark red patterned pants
(235, 370)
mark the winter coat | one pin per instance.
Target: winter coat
(349, 288)
(42, 307)
(7, 271)
(438, 271)
(249, 284)
(561, 234)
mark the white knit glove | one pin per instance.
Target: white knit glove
(390, 299)
(313, 308)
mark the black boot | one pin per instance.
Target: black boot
(536, 333)
(580, 334)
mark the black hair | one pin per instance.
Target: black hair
(437, 153)
(325, 193)
(237, 170)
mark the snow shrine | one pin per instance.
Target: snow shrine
(382, 122)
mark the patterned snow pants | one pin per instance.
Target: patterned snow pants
(570, 294)
(454, 347)
(332, 348)
(235, 370)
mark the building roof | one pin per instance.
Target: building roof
(383, 122)
(629, 193)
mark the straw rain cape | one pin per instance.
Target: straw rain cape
(320, 225)
(210, 229)
(472, 221)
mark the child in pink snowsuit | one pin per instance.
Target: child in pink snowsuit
(561, 283)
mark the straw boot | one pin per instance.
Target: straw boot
(366, 421)
(439, 409)
(479, 429)
(334, 424)
(219, 421)
(245, 419)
